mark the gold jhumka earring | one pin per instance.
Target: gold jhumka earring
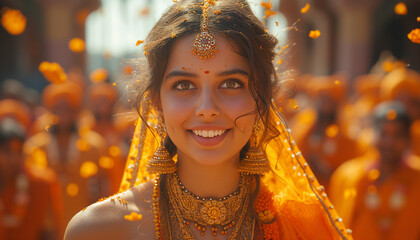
(161, 162)
(255, 161)
(204, 43)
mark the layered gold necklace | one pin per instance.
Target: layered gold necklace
(178, 210)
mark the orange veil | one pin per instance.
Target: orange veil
(291, 179)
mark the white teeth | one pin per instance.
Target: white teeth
(208, 133)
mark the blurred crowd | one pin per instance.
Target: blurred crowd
(60, 151)
(66, 148)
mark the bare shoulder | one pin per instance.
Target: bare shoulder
(127, 215)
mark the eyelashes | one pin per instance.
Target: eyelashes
(183, 85)
(230, 84)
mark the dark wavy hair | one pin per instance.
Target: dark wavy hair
(246, 34)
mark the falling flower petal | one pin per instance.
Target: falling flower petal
(13, 21)
(305, 9)
(269, 13)
(266, 5)
(88, 169)
(133, 216)
(53, 72)
(77, 45)
(139, 42)
(414, 35)
(400, 9)
(98, 75)
(314, 34)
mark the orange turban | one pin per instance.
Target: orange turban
(17, 110)
(333, 86)
(400, 81)
(102, 89)
(69, 90)
(367, 84)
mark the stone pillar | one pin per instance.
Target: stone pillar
(290, 11)
(354, 35)
(60, 26)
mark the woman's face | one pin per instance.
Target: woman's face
(201, 99)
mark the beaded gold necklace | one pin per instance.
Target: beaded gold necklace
(229, 215)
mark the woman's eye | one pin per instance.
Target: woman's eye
(183, 85)
(232, 84)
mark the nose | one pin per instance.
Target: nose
(207, 106)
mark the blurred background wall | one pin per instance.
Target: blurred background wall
(354, 34)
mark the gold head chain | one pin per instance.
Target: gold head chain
(204, 45)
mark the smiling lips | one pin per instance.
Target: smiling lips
(209, 138)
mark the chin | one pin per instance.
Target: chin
(212, 158)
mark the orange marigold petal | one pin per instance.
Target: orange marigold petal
(314, 34)
(414, 35)
(139, 42)
(77, 45)
(53, 72)
(400, 9)
(269, 13)
(266, 5)
(133, 216)
(13, 21)
(98, 75)
(306, 8)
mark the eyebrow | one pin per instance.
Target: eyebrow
(233, 71)
(178, 73)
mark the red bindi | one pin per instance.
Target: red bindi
(206, 72)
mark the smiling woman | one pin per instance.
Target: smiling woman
(226, 165)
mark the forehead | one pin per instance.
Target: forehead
(182, 58)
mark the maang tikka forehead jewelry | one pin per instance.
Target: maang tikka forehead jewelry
(205, 43)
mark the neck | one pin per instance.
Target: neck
(209, 181)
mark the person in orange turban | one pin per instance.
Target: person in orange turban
(377, 194)
(102, 97)
(318, 131)
(403, 84)
(72, 152)
(17, 110)
(27, 196)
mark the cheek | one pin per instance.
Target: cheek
(175, 111)
(240, 109)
